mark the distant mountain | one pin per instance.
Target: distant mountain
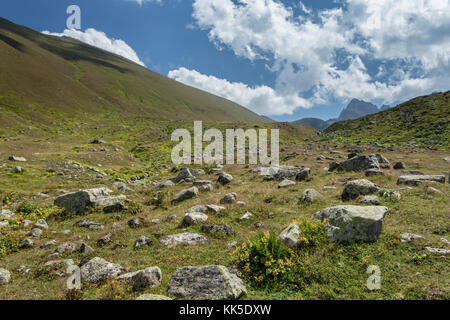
(357, 109)
(423, 121)
(384, 107)
(316, 123)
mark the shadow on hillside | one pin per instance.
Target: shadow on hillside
(13, 43)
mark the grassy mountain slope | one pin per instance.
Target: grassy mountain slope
(316, 123)
(44, 79)
(422, 121)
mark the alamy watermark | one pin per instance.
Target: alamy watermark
(235, 140)
(374, 280)
(74, 20)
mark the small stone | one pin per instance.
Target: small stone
(48, 244)
(148, 278)
(203, 185)
(142, 241)
(98, 269)
(5, 276)
(218, 229)
(183, 238)
(35, 233)
(194, 218)
(374, 172)
(106, 239)
(246, 216)
(231, 245)
(229, 198)
(152, 297)
(85, 249)
(408, 237)
(399, 165)
(41, 224)
(136, 223)
(431, 190)
(114, 208)
(286, 183)
(225, 178)
(442, 252)
(68, 247)
(291, 235)
(310, 195)
(17, 169)
(370, 200)
(355, 188)
(185, 195)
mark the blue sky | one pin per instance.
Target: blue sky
(284, 59)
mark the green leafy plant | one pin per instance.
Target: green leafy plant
(264, 259)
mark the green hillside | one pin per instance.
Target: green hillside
(423, 121)
(44, 79)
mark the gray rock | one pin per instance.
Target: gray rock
(374, 172)
(165, 184)
(142, 241)
(214, 209)
(106, 239)
(286, 183)
(224, 178)
(114, 208)
(442, 252)
(206, 283)
(203, 185)
(447, 159)
(381, 159)
(232, 245)
(399, 165)
(85, 249)
(310, 195)
(353, 189)
(27, 244)
(198, 208)
(184, 174)
(192, 218)
(120, 187)
(18, 159)
(152, 297)
(291, 235)
(35, 233)
(353, 223)
(198, 172)
(185, 195)
(408, 237)
(68, 247)
(17, 169)
(359, 163)
(415, 180)
(91, 225)
(303, 175)
(246, 216)
(98, 269)
(370, 200)
(148, 278)
(6, 214)
(4, 224)
(41, 224)
(48, 244)
(218, 229)
(229, 198)
(5, 276)
(136, 223)
(183, 238)
(80, 201)
(431, 190)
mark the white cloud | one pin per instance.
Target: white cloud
(140, 2)
(100, 40)
(320, 55)
(260, 99)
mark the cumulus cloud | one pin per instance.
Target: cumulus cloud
(100, 40)
(322, 55)
(260, 99)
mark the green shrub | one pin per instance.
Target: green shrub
(27, 208)
(312, 233)
(264, 259)
(9, 243)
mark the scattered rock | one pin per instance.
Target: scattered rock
(353, 223)
(246, 216)
(18, 159)
(374, 172)
(185, 195)
(415, 180)
(17, 169)
(165, 184)
(353, 189)
(198, 172)
(41, 224)
(431, 190)
(194, 218)
(35, 233)
(286, 183)
(184, 174)
(5, 276)
(399, 165)
(152, 297)
(27, 244)
(303, 175)
(136, 223)
(218, 229)
(224, 178)
(6, 214)
(106, 239)
(291, 235)
(370, 200)
(198, 208)
(98, 269)
(442, 252)
(310, 195)
(142, 241)
(68, 247)
(114, 208)
(183, 238)
(148, 278)
(203, 185)
(229, 198)
(48, 244)
(232, 245)
(359, 163)
(206, 283)
(408, 237)
(91, 225)
(215, 209)
(4, 224)
(85, 249)
(80, 201)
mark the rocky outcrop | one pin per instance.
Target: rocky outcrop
(415, 180)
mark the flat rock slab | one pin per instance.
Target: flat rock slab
(183, 238)
(98, 269)
(353, 223)
(415, 180)
(206, 283)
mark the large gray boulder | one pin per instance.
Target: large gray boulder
(359, 163)
(192, 218)
(225, 178)
(148, 278)
(183, 238)
(415, 180)
(353, 223)
(353, 189)
(185, 195)
(98, 269)
(291, 235)
(5, 276)
(206, 283)
(80, 201)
